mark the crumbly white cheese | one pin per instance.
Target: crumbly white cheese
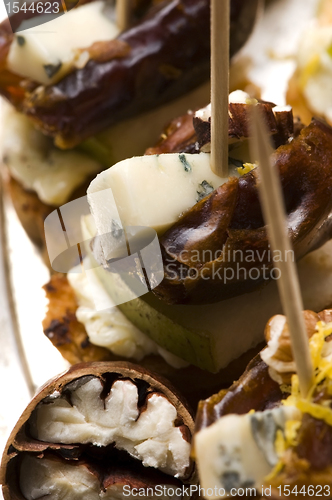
(41, 478)
(55, 480)
(106, 325)
(38, 165)
(238, 96)
(238, 451)
(47, 53)
(150, 191)
(204, 113)
(282, 109)
(150, 435)
(315, 69)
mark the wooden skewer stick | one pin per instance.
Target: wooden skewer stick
(220, 20)
(273, 208)
(123, 13)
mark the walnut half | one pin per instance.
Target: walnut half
(278, 353)
(98, 431)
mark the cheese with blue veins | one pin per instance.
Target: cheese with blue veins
(151, 191)
(47, 53)
(239, 451)
(37, 164)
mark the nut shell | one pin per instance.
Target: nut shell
(278, 355)
(21, 441)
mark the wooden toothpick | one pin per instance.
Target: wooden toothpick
(220, 21)
(123, 14)
(274, 212)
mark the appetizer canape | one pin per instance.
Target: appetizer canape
(173, 191)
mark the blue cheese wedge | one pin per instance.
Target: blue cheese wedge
(151, 191)
(46, 54)
(239, 451)
(38, 165)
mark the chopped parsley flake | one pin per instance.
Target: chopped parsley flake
(185, 163)
(52, 69)
(20, 40)
(203, 190)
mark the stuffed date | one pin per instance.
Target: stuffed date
(210, 251)
(267, 436)
(166, 54)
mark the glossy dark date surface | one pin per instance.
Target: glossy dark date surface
(254, 390)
